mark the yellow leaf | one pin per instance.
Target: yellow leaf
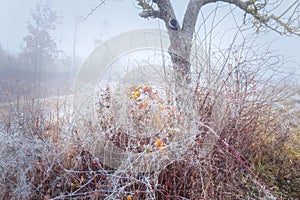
(136, 94)
(129, 197)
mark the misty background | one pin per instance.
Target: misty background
(74, 32)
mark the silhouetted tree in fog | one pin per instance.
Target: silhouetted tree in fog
(39, 47)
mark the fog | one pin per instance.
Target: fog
(76, 38)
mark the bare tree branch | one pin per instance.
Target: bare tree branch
(151, 13)
(255, 8)
(190, 17)
(163, 11)
(149, 10)
(101, 3)
(269, 20)
(166, 8)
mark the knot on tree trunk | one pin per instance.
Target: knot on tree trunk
(182, 67)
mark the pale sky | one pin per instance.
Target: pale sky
(115, 17)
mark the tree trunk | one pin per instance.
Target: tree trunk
(180, 52)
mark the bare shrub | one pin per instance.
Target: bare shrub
(252, 123)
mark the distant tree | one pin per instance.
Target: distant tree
(39, 47)
(2, 59)
(4, 63)
(2, 56)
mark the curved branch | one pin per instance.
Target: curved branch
(265, 18)
(151, 14)
(191, 15)
(166, 8)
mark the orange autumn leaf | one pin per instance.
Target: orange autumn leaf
(128, 197)
(158, 143)
(143, 105)
(147, 89)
